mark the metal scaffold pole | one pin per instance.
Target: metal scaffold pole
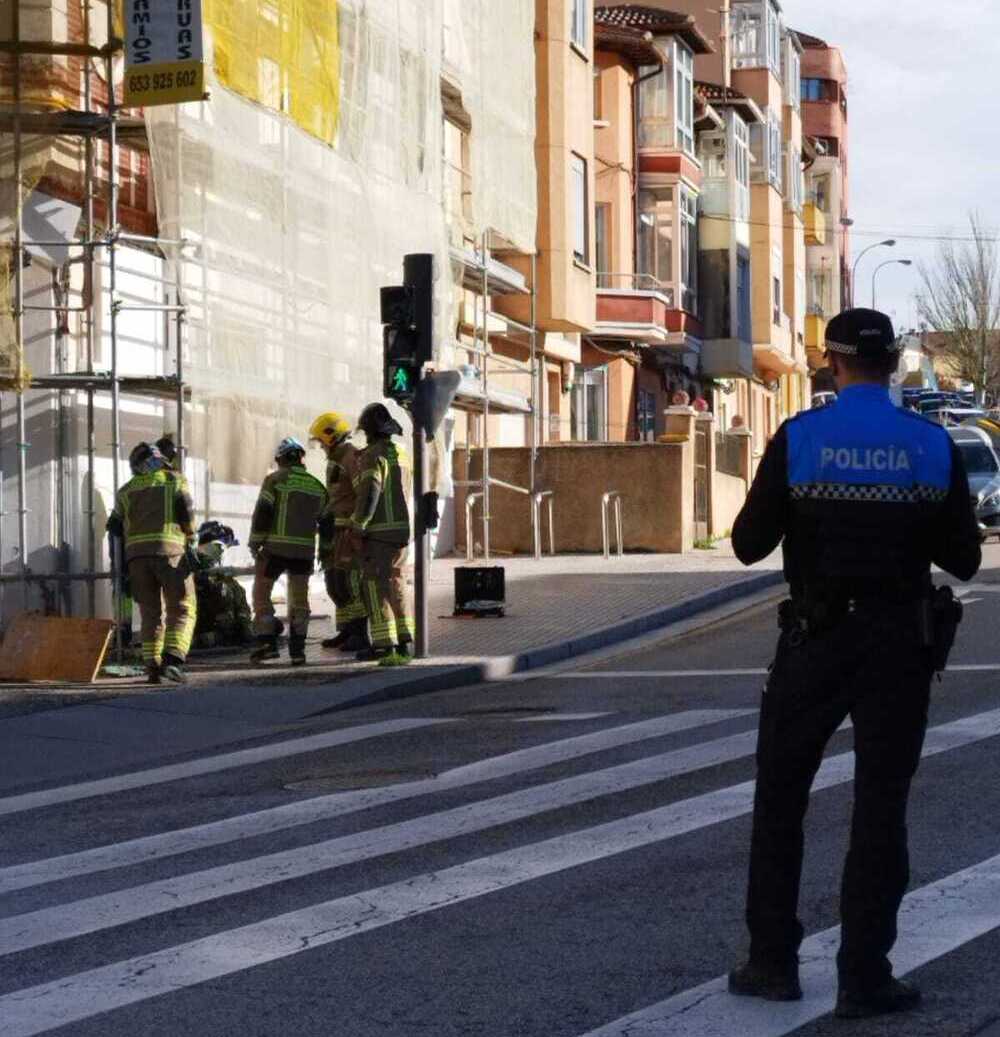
(22, 445)
(88, 322)
(111, 229)
(486, 397)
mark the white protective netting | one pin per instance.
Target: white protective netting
(293, 237)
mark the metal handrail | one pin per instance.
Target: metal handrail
(543, 496)
(470, 547)
(612, 497)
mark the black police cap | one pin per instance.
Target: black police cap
(866, 334)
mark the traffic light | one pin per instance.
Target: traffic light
(408, 335)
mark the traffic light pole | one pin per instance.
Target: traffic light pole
(421, 542)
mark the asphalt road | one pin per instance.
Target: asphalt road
(560, 856)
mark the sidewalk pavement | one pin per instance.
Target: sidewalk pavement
(557, 608)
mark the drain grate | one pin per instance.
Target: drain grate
(347, 781)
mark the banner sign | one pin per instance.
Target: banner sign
(163, 52)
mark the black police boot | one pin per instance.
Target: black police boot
(153, 673)
(771, 982)
(267, 649)
(172, 669)
(892, 996)
(358, 639)
(297, 650)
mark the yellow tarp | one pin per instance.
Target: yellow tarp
(283, 54)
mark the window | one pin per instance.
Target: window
(645, 416)
(602, 246)
(684, 96)
(774, 147)
(589, 405)
(581, 229)
(666, 103)
(689, 251)
(598, 100)
(796, 181)
(776, 315)
(741, 165)
(821, 193)
(744, 322)
(457, 182)
(819, 90)
(791, 67)
(755, 27)
(578, 23)
(656, 239)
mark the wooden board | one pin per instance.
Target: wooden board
(50, 648)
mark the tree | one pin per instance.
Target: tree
(960, 299)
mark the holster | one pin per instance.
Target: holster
(941, 615)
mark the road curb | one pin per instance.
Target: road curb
(493, 669)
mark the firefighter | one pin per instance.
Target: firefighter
(283, 541)
(224, 616)
(381, 530)
(153, 515)
(341, 563)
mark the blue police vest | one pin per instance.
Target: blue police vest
(864, 448)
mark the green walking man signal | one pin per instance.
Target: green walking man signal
(408, 334)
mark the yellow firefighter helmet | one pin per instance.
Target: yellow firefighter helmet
(330, 428)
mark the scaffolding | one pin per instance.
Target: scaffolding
(89, 124)
(484, 275)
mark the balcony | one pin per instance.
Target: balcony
(639, 308)
(815, 340)
(815, 224)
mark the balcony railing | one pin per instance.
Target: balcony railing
(612, 282)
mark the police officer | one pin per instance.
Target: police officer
(381, 528)
(153, 514)
(283, 540)
(341, 562)
(865, 497)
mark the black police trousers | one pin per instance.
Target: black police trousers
(875, 669)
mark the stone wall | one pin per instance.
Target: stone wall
(654, 479)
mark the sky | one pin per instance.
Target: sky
(923, 108)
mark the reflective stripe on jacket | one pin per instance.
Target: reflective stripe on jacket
(287, 512)
(383, 487)
(156, 514)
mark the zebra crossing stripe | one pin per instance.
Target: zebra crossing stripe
(73, 998)
(82, 917)
(210, 764)
(154, 847)
(933, 921)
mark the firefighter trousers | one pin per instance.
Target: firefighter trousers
(268, 570)
(385, 594)
(343, 580)
(156, 581)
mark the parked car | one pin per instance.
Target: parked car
(950, 416)
(983, 469)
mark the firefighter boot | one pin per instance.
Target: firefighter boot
(297, 649)
(267, 649)
(357, 640)
(172, 669)
(153, 672)
(342, 635)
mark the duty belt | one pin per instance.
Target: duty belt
(800, 619)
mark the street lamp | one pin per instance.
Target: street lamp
(888, 262)
(888, 243)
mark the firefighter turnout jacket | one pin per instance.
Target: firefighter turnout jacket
(154, 513)
(382, 511)
(288, 509)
